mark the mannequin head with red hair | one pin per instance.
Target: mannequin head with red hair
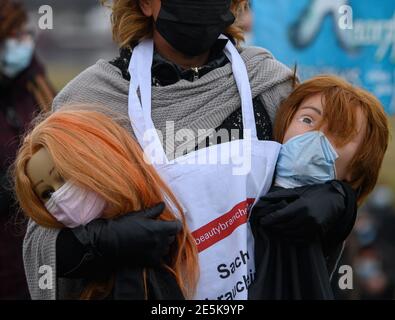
(352, 119)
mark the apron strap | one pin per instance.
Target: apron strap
(140, 110)
(243, 84)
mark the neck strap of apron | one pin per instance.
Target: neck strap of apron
(140, 109)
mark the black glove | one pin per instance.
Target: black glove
(302, 214)
(135, 239)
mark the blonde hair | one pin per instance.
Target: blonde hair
(130, 25)
(340, 100)
(96, 153)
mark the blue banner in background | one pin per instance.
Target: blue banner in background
(351, 38)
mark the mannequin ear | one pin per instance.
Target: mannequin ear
(146, 7)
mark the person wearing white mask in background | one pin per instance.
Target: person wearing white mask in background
(17, 54)
(23, 90)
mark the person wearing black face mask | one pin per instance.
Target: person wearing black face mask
(192, 85)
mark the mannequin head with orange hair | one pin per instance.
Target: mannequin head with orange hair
(96, 153)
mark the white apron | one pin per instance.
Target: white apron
(216, 185)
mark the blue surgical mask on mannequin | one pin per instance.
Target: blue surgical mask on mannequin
(15, 56)
(306, 159)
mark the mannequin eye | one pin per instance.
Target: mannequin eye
(306, 120)
(46, 194)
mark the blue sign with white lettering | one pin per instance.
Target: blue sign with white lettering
(350, 38)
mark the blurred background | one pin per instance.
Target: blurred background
(303, 32)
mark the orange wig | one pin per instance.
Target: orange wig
(97, 153)
(340, 100)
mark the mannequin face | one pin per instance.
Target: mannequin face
(43, 175)
(309, 117)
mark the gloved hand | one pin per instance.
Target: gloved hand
(134, 239)
(302, 214)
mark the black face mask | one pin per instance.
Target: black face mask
(193, 26)
(5, 83)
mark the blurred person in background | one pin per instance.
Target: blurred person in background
(24, 90)
(370, 250)
(374, 262)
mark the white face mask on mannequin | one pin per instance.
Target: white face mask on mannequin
(74, 206)
(306, 159)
